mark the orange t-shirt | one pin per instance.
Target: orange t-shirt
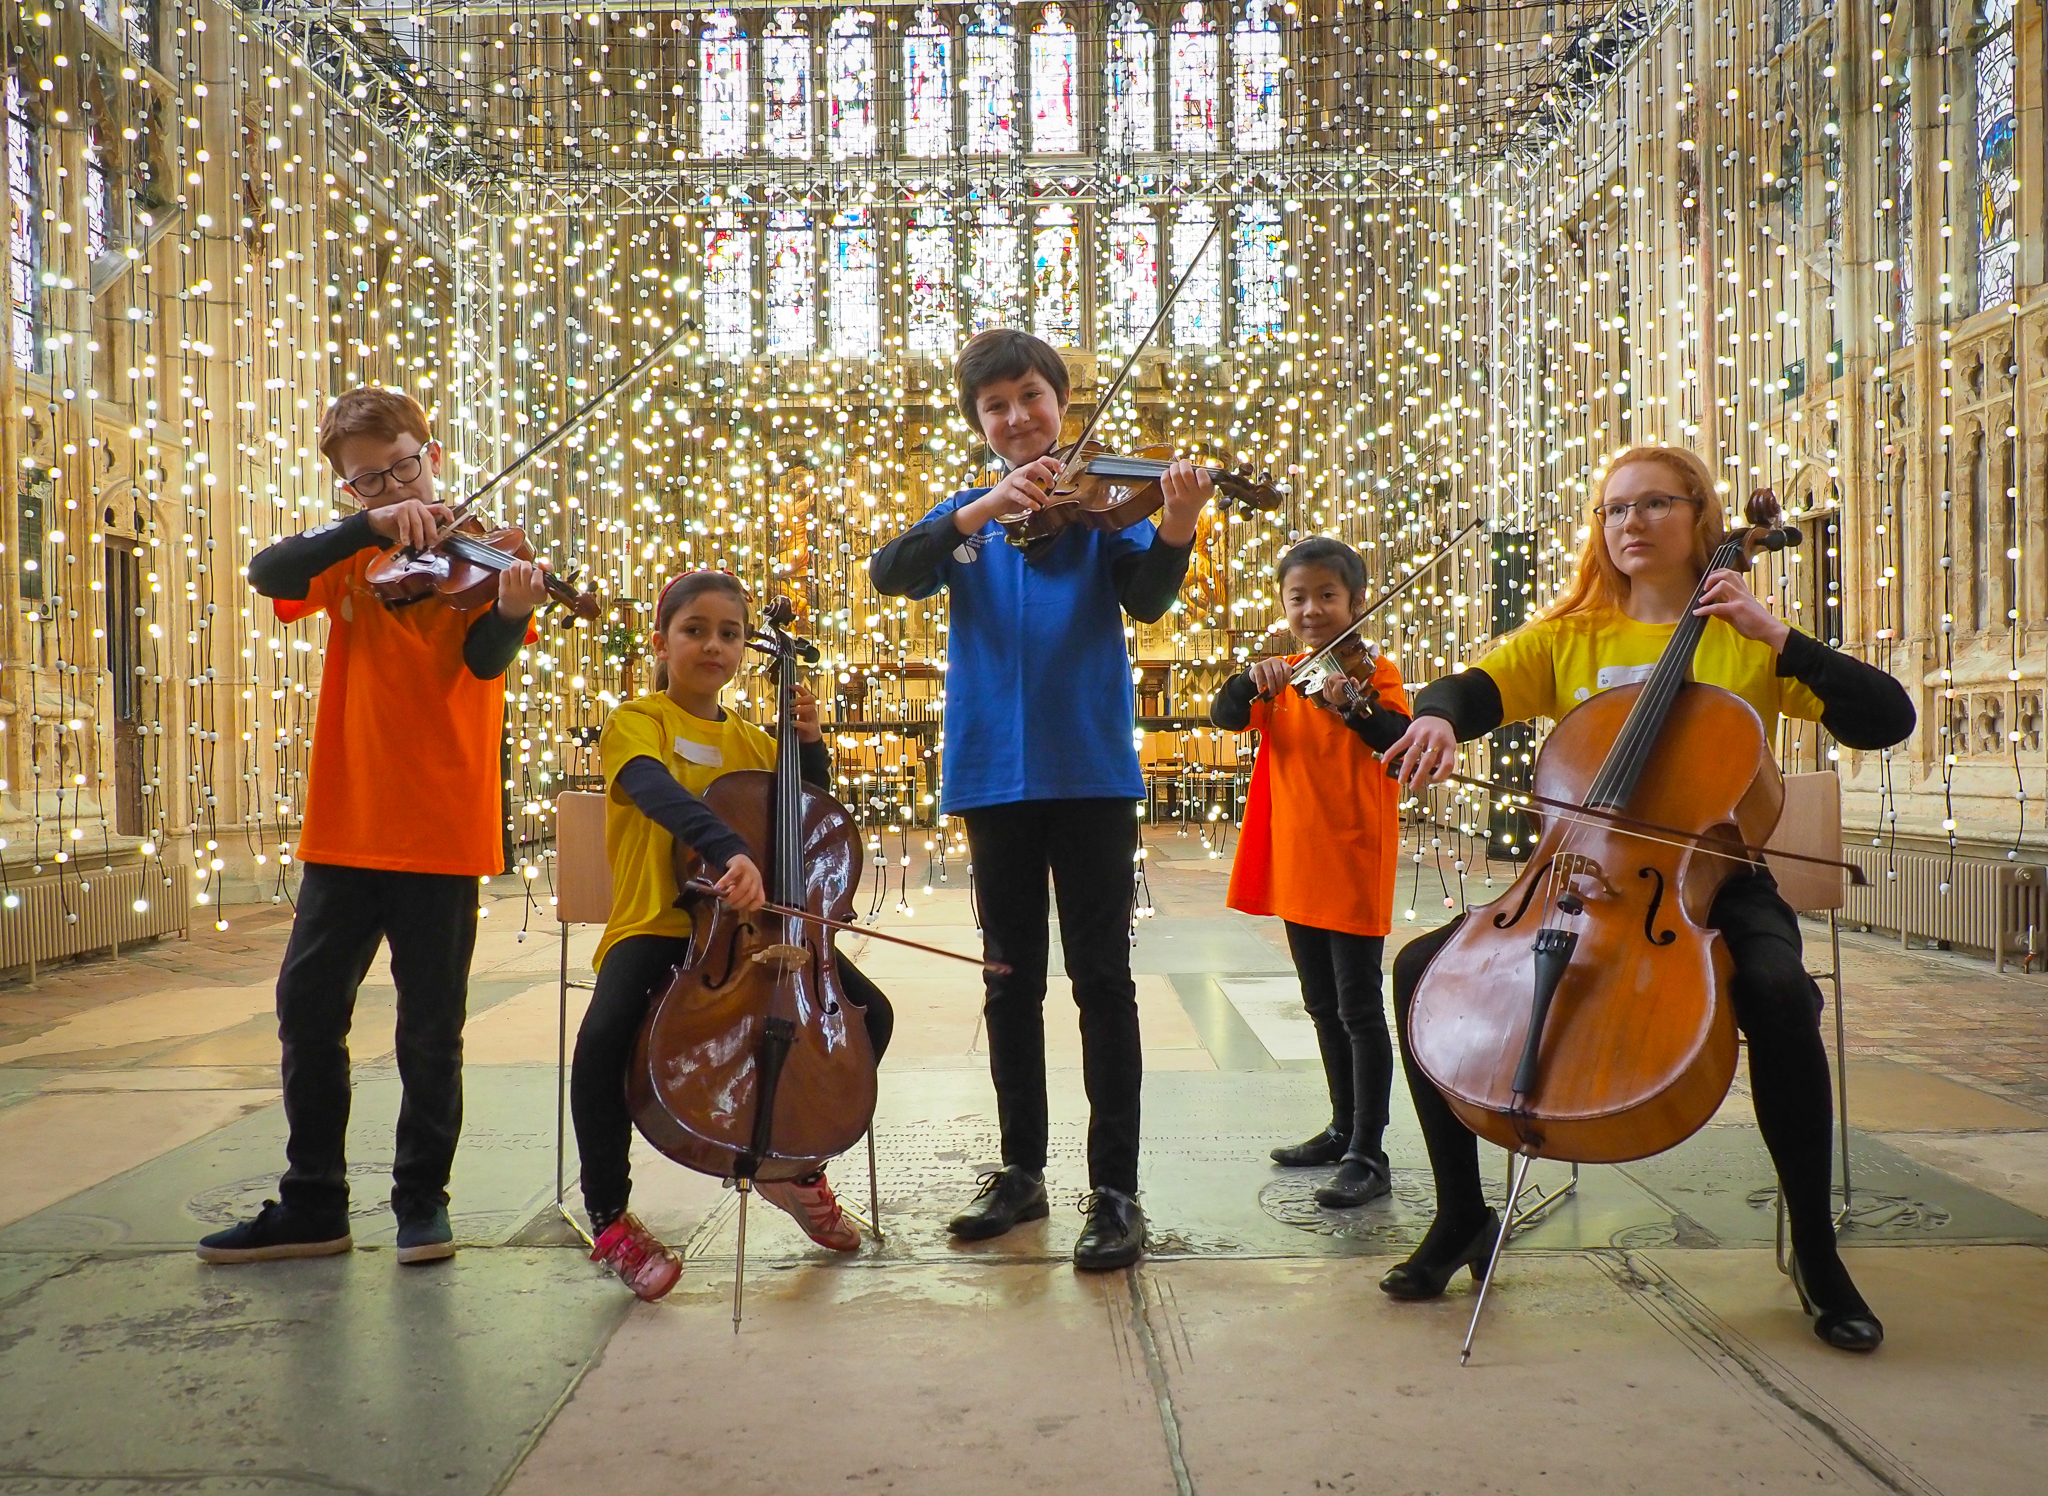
(406, 775)
(1320, 828)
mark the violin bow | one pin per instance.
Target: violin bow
(581, 414)
(1672, 835)
(1102, 403)
(993, 968)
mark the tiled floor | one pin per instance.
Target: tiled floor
(1638, 1339)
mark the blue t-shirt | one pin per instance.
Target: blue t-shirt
(1039, 702)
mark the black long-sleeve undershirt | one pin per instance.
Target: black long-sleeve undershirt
(1861, 706)
(285, 570)
(1146, 581)
(1379, 726)
(657, 794)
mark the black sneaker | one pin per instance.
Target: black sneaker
(1009, 1196)
(277, 1232)
(1115, 1234)
(426, 1238)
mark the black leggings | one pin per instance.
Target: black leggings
(635, 972)
(1341, 988)
(1777, 1007)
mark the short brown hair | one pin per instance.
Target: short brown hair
(1005, 353)
(371, 410)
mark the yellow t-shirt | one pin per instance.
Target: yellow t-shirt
(642, 855)
(1550, 667)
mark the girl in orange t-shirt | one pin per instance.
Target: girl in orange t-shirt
(1320, 805)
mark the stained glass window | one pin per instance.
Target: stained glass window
(21, 233)
(1197, 315)
(1261, 272)
(1055, 90)
(1902, 214)
(722, 94)
(1127, 101)
(1056, 277)
(792, 283)
(928, 92)
(855, 302)
(1133, 275)
(728, 287)
(933, 314)
(1255, 67)
(991, 82)
(995, 281)
(850, 85)
(1997, 248)
(1191, 69)
(786, 88)
(99, 198)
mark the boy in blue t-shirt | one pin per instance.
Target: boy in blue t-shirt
(1040, 762)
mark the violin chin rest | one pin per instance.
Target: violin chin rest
(787, 957)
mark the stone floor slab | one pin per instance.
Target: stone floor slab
(918, 1381)
(342, 1374)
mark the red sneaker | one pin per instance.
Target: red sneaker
(638, 1257)
(813, 1206)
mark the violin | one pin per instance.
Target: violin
(753, 1064)
(462, 567)
(1103, 490)
(1584, 1016)
(1350, 658)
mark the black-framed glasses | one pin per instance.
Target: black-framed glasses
(1652, 507)
(369, 485)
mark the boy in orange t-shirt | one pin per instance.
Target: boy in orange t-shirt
(402, 816)
(1321, 804)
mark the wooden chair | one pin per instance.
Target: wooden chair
(583, 896)
(1811, 824)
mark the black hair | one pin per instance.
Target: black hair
(1322, 550)
(685, 588)
(1005, 353)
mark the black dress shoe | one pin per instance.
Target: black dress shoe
(1009, 1195)
(1326, 1147)
(1853, 1329)
(1356, 1182)
(1115, 1234)
(1429, 1272)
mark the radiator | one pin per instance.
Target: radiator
(56, 918)
(1998, 908)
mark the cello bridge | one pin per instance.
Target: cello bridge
(1572, 866)
(785, 958)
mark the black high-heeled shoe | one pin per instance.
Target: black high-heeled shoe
(1856, 1330)
(1421, 1278)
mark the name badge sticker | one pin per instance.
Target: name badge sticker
(1623, 675)
(707, 754)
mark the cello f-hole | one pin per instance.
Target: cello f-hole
(1509, 921)
(1656, 902)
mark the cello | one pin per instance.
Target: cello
(753, 1064)
(1584, 1016)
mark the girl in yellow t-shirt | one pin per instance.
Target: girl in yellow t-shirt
(660, 753)
(1656, 520)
